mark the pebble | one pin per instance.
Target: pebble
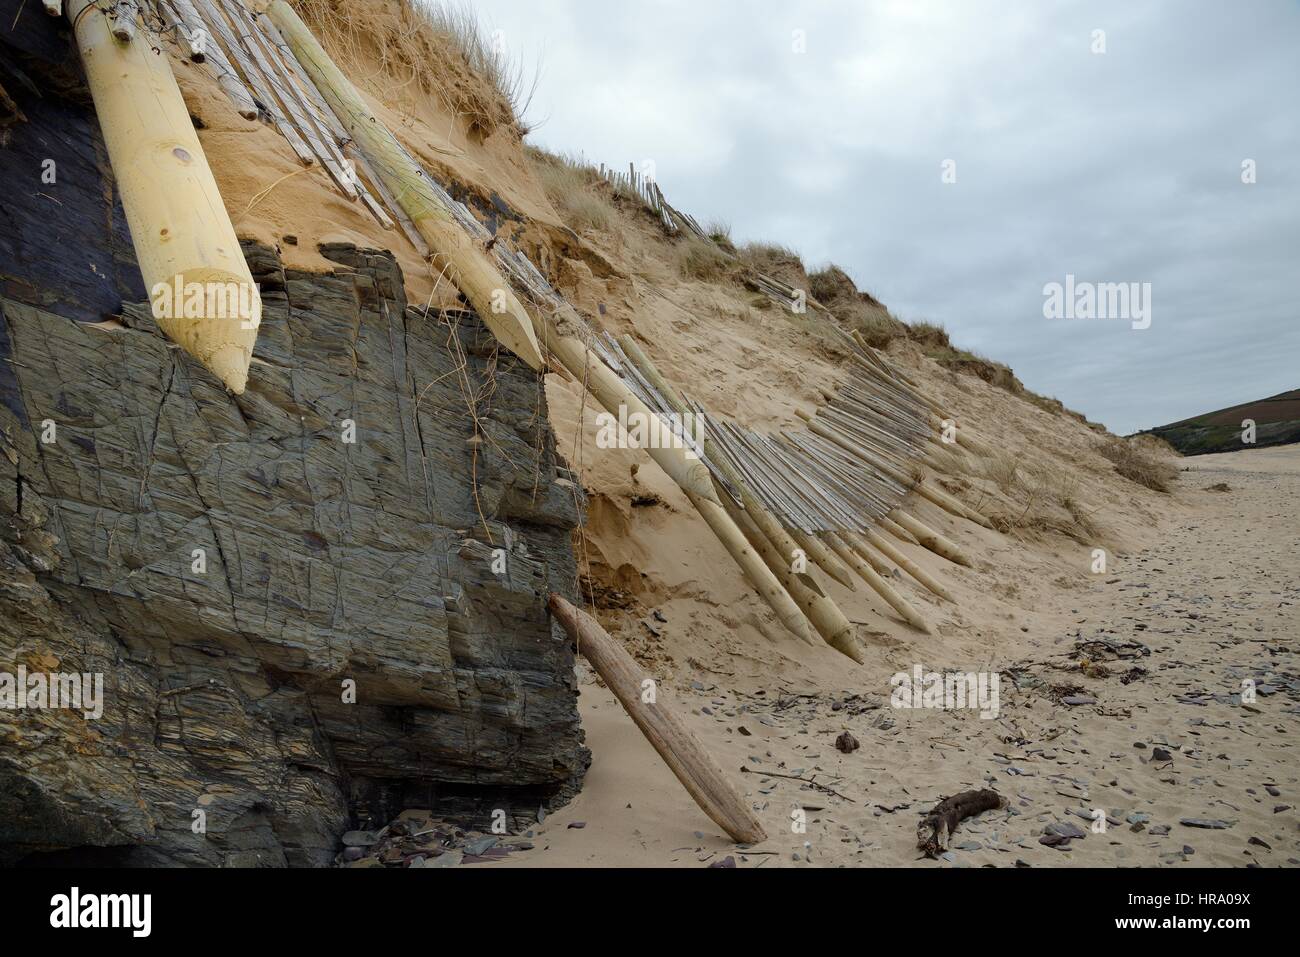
(1065, 829)
(477, 846)
(846, 743)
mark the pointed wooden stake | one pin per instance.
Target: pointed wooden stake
(860, 545)
(680, 749)
(559, 334)
(203, 295)
(893, 553)
(878, 584)
(898, 531)
(932, 540)
(825, 615)
(767, 580)
(751, 563)
(825, 559)
(467, 264)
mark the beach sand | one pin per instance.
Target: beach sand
(1214, 595)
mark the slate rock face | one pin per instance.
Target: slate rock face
(290, 593)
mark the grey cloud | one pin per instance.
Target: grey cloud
(1119, 167)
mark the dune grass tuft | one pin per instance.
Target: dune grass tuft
(429, 47)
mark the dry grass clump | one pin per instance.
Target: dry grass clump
(935, 343)
(1155, 445)
(430, 47)
(773, 259)
(878, 327)
(575, 188)
(702, 260)
(854, 309)
(1040, 498)
(1143, 465)
(720, 233)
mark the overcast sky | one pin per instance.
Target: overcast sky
(1122, 166)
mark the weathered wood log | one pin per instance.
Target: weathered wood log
(203, 294)
(878, 584)
(680, 749)
(906, 564)
(831, 623)
(770, 528)
(934, 831)
(898, 531)
(824, 558)
(466, 263)
(196, 34)
(932, 540)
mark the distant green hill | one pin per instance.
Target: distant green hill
(1277, 422)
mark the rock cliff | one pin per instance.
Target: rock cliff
(313, 605)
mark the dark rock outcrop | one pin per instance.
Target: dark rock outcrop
(296, 596)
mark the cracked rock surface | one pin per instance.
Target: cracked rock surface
(298, 633)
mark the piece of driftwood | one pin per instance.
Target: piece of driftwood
(680, 749)
(934, 831)
(189, 256)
